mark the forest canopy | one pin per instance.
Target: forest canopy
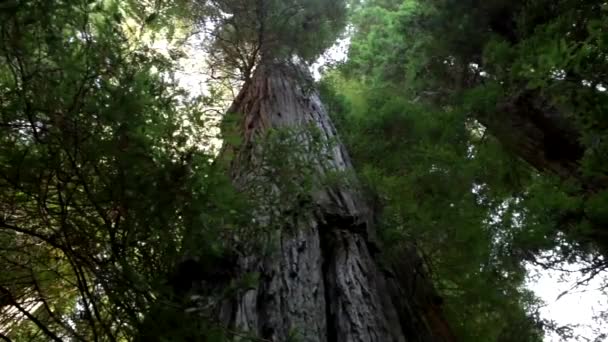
(476, 131)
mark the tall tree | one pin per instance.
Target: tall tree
(413, 77)
(98, 180)
(432, 192)
(319, 276)
(530, 72)
(544, 53)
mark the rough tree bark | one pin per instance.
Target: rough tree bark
(324, 280)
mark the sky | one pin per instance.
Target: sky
(577, 307)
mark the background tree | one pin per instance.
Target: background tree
(433, 192)
(100, 174)
(420, 75)
(527, 71)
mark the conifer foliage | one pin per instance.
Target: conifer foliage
(460, 141)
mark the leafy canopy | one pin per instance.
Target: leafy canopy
(422, 75)
(239, 33)
(102, 176)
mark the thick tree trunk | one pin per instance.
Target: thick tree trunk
(545, 138)
(539, 134)
(323, 280)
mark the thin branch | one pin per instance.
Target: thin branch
(49, 311)
(31, 317)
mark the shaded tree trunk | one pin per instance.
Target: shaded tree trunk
(323, 280)
(539, 134)
(549, 141)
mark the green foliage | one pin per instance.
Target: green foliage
(103, 183)
(419, 75)
(595, 207)
(241, 32)
(431, 178)
(280, 170)
(547, 48)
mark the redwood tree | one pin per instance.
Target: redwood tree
(530, 72)
(317, 273)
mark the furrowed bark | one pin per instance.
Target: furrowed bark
(323, 280)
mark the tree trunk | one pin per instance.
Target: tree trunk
(539, 134)
(545, 138)
(323, 281)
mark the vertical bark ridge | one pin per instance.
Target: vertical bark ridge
(322, 281)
